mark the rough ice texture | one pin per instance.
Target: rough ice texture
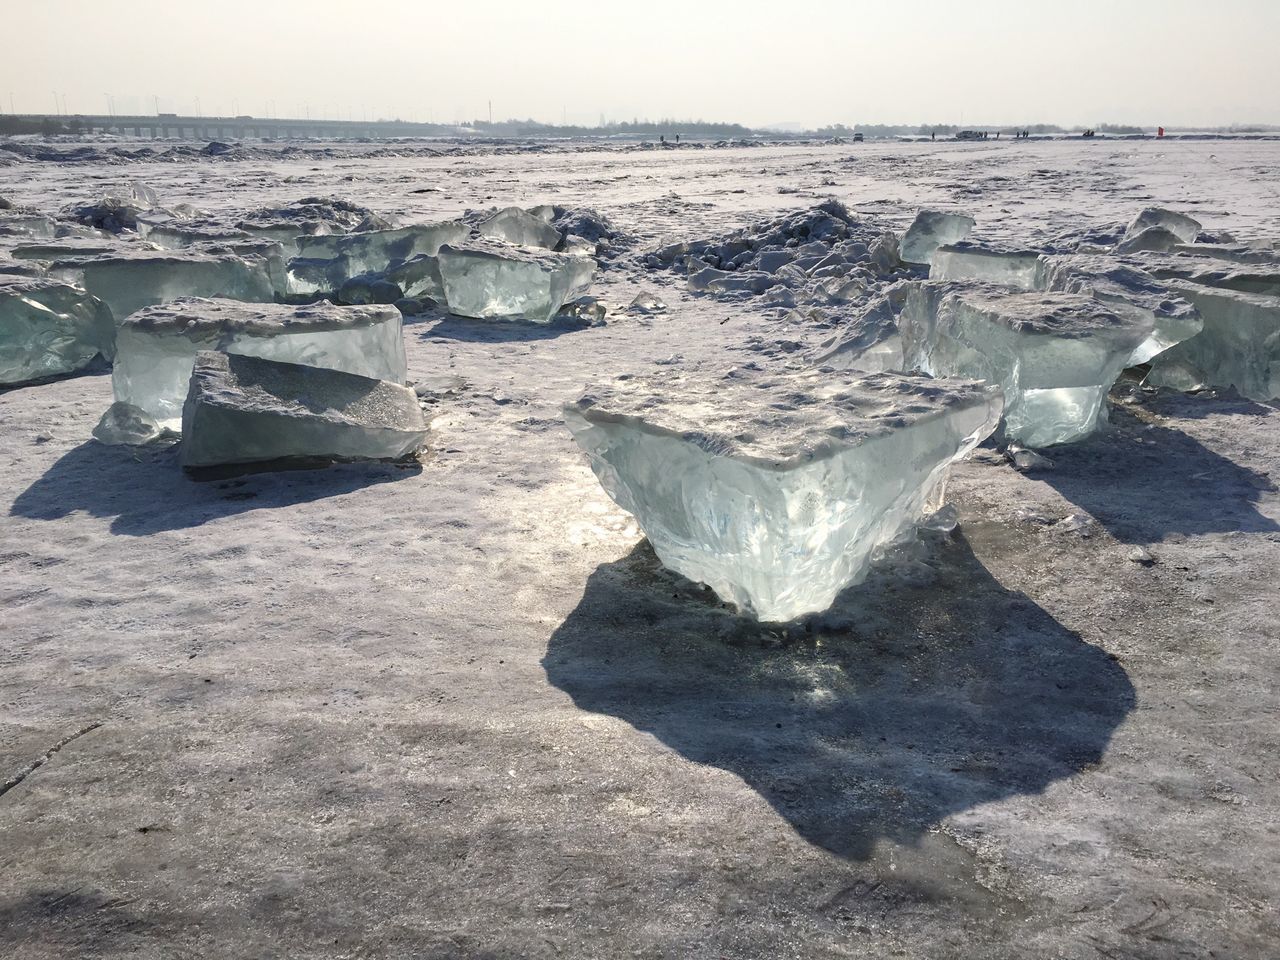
(516, 226)
(930, 230)
(1245, 277)
(242, 409)
(963, 261)
(1185, 228)
(157, 346)
(130, 282)
(1055, 355)
(49, 328)
(1239, 346)
(494, 280)
(373, 252)
(776, 489)
(1173, 318)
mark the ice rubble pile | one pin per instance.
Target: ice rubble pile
(245, 409)
(777, 489)
(49, 328)
(156, 348)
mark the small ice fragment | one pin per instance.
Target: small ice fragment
(1080, 523)
(242, 409)
(586, 309)
(930, 230)
(516, 226)
(1185, 228)
(1055, 355)
(1142, 556)
(944, 521)
(776, 489)
(494, 280)
(123, 423)
(646, 303)
(1025, 459)
(49, 328)
(157, 346)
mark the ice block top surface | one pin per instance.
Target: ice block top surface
(15, 285)
(1049, 314)
(203, 317)
(779, 419)
(501, 250)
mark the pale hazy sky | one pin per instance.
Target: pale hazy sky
(1175, 62)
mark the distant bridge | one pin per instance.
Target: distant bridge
(233, 128)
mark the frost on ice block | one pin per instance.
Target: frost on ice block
(1239, 346)
(1055, 355)
(930, 230)
(776, 489)
(965, 261)
(242, 409)
(494, 280)
(49, 328)
(129, 282)
(156, 347)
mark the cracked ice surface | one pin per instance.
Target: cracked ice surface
(243, 409)
(494, 280)
(156, 347)
(49, 328)
(1239, 346)
(130, 282)
(930, 230)
(1055, 355)
(776, 489)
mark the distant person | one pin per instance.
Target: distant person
(662, 138)
(677, 139)
(932, 135)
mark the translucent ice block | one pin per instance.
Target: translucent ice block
(1020, 268)
(374, 251)
(1055, 355)
(491, 279)
(930, 230)
(777, 489)
(243, 409)
(516, 226)
(1185, 228)
(156, 347)
(49, 328)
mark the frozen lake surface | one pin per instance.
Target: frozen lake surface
(458, 709)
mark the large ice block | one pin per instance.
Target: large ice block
(129, 282)
(930, 230)
(242, 409)
(1055, 355)
(49, 328)
(374, 251)
(516, 226)
(1239, 346)
(776, 489)
(492, 279)
(965, 261)
(156, 347)
(1173, 318)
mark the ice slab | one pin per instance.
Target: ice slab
(516, 226)
(1239, 346)
(65, 248)
(1018, 268)
(242, 409)
(373, 252)
(776, 489)
(1262, 277)
(28, 225)
(1055, 355)
(930, 230)
(49, 328)
(1185, 228)
(495, 280)
(1173, 318)
(156, 347)
(129, 282)
(418, 277)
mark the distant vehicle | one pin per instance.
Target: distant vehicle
(969, 135)
(857, 138)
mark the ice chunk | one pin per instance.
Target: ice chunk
(930, 230)
(128, 282)
(1239, 346)
(1180, 225)
(870, 342)
(418, 277)
(155, 347)
(28, 225)
(374, 252)
(1152, 238)
(243, 409)
(49, 328)
(492, 279)
(777, 489)
(123, 423)
(66, 248)
(1055, 355)
(1173, 318)
(1262, 278)
(168, 232)
(1020, 268)
(516, 226)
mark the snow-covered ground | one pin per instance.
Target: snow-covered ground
(457, 709)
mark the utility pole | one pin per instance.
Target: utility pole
(491, 113)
